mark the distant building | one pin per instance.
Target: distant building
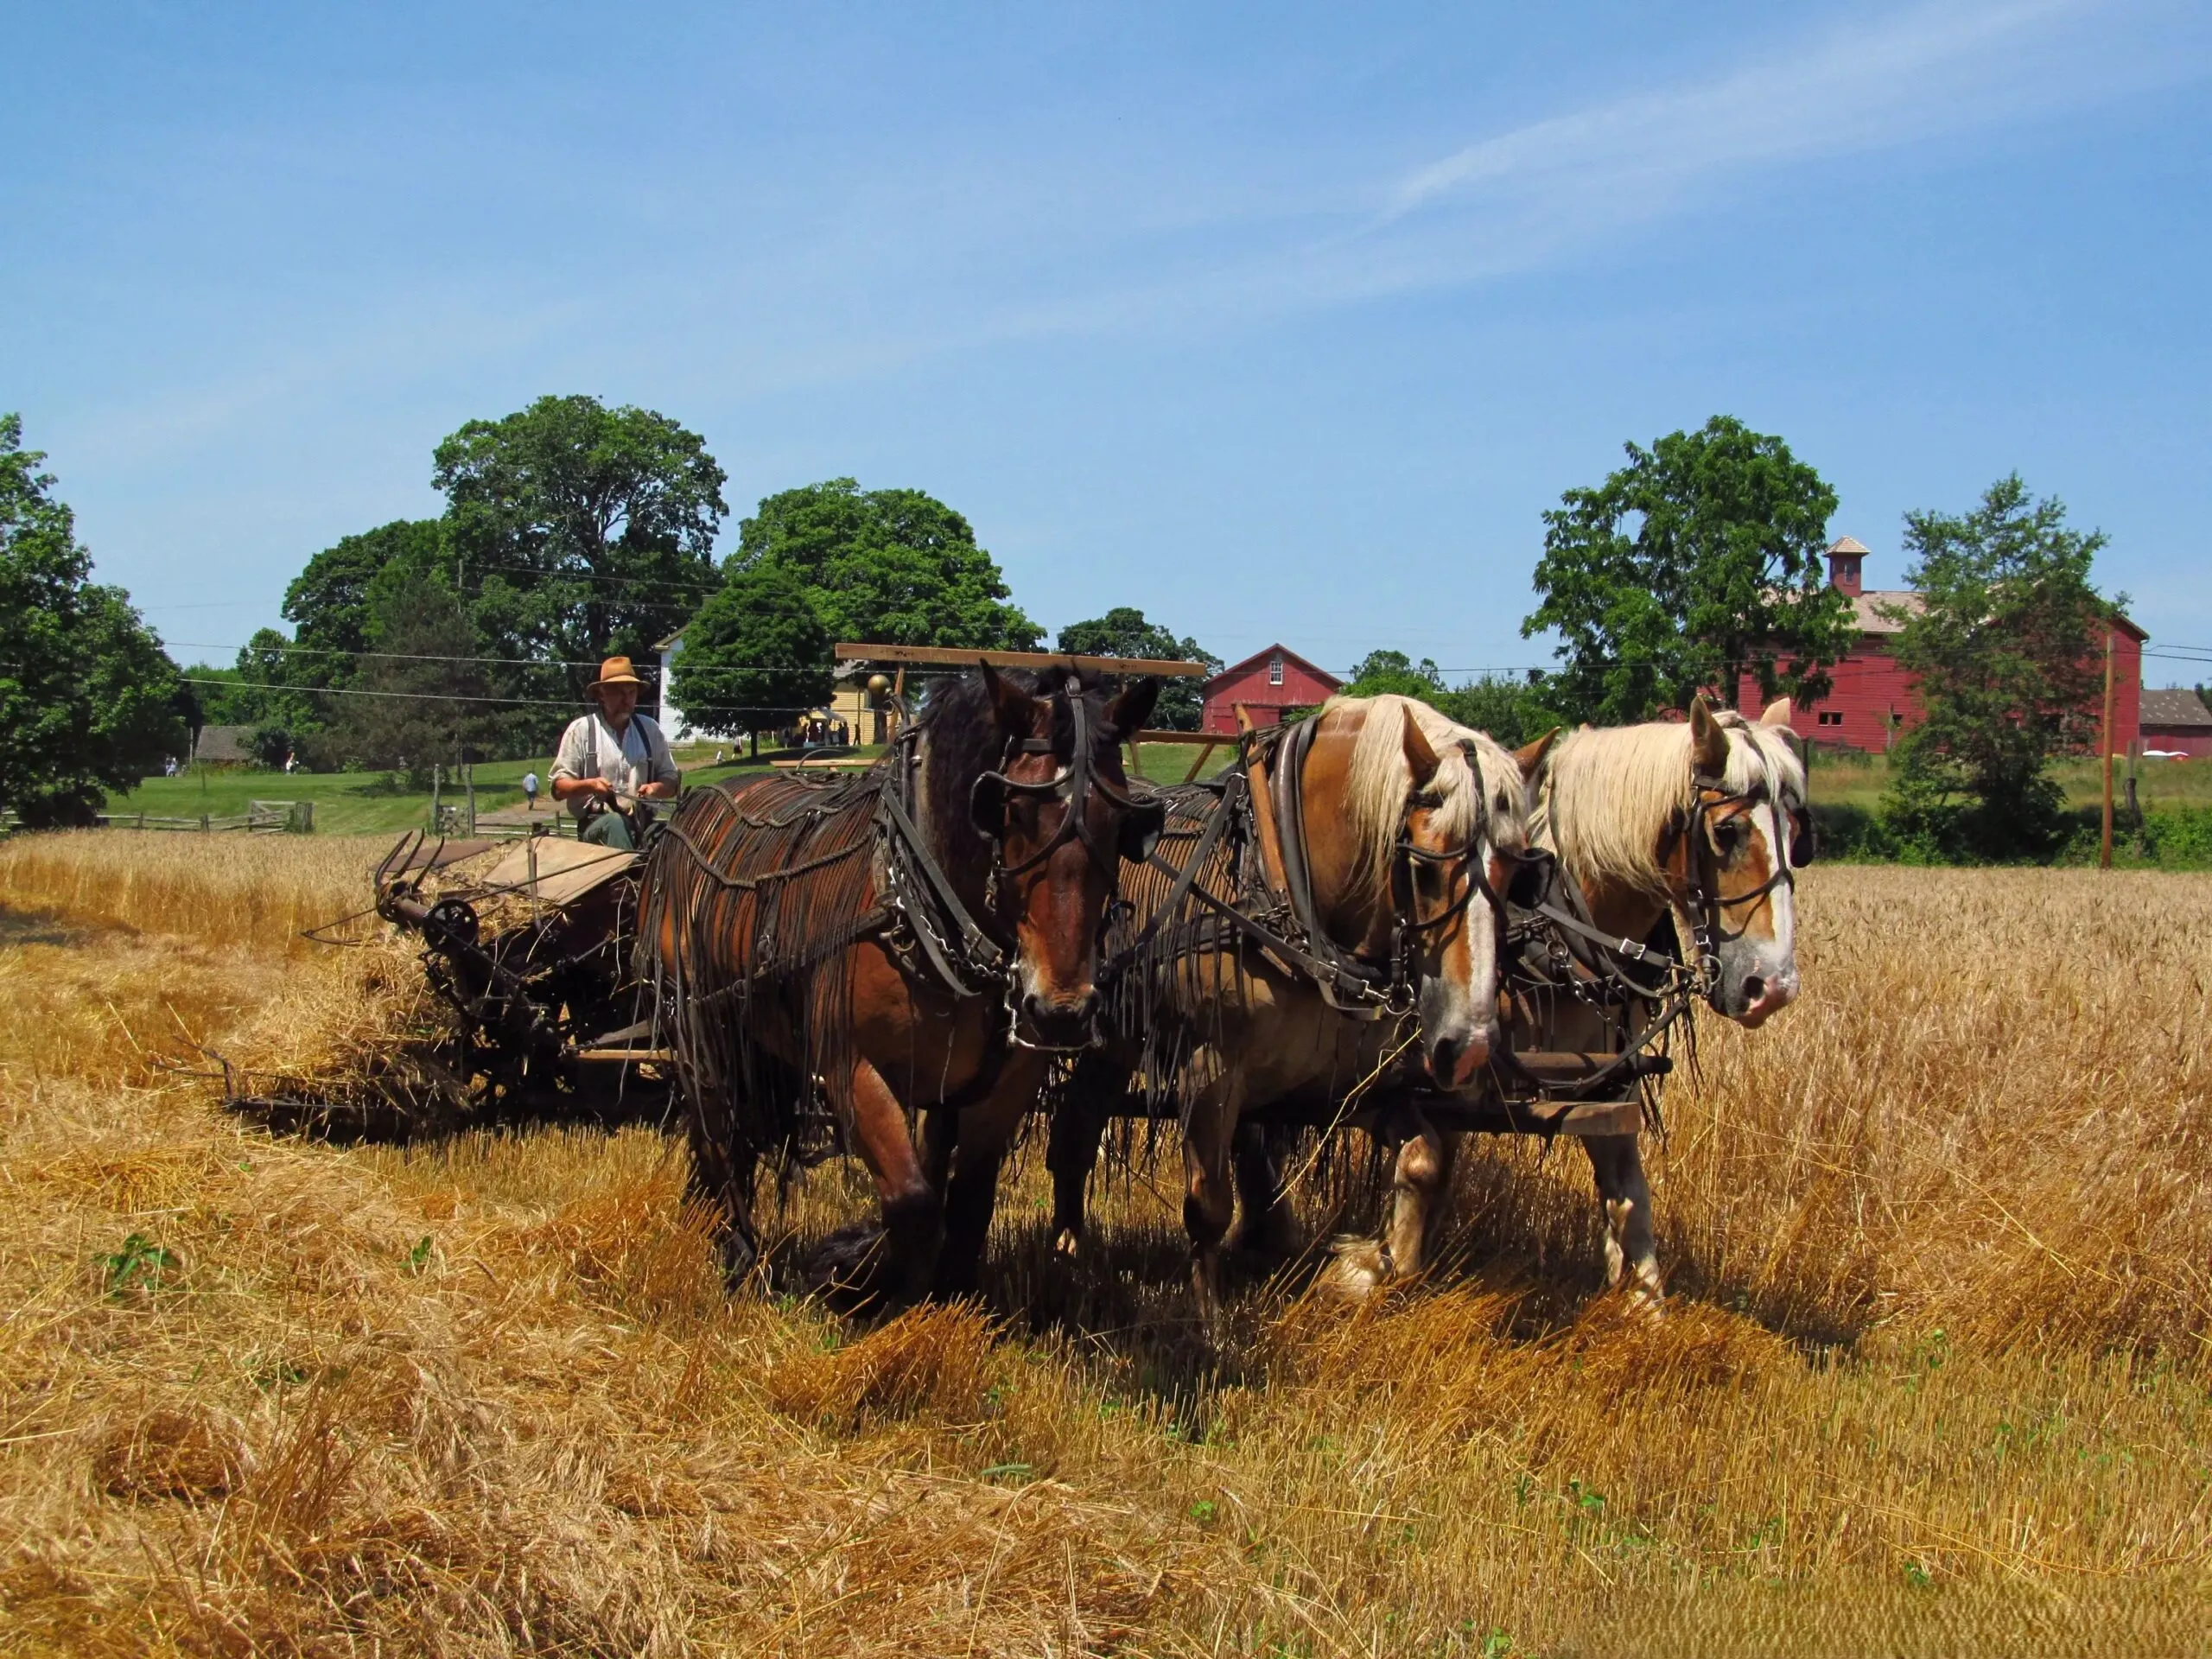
(224, 745)
(2177, 722)
(1873, 698)
(1267, 684)
(670, 717)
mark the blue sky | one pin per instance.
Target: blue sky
(1276, 321)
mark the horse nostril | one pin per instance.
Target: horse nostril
(1754, 989)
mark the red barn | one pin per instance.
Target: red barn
(2177, 722)
(1269, 683)
(1874, 699)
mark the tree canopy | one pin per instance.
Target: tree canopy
(89, 701)
(891, 566)
(2006, 636)
(576, 531)
(755, 656)
(421, 698)
(1698, 561)
(1512, 711)
(1123, 631)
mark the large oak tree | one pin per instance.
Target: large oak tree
(1698, 561)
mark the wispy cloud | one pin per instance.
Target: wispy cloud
(1559, 187)
(1881, 84)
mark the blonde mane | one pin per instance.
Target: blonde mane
(1381, 780)
(1606, 792)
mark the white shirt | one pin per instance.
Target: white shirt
(590, 749)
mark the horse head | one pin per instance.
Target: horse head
(1412, 824)
(1059, 816)
(1746, 832)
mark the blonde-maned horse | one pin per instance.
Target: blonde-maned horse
(1406, 823)
(1702, 820)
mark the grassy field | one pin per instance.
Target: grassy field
(1860, 780)
(1934, 1379)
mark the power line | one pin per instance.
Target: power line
(438, 696)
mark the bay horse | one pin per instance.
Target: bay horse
(1701, 822)
(1372, 839)
(834, 957)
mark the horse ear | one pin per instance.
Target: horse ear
(1420, 754)
(1708, 743)
(1015, 708)
(1531, 755)
(1129, 711)
(1777, 713)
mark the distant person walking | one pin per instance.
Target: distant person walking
(530, 790)
(612, 764)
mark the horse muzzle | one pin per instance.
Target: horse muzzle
(1069, 1022)
(1456, 1064)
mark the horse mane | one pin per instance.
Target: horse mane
(1606, 792)
(1380, 779)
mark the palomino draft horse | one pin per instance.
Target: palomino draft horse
(1319, 923)
(1700, 823)
(833, 957)
(1704, 821)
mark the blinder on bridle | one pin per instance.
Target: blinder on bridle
(1142, 820)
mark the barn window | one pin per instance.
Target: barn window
(1274, 671)
(1831, 716)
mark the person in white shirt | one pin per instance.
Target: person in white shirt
(613, 761)
(529, 789)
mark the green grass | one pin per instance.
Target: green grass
(1860, 781)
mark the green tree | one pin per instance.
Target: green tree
(2006, 633)
(329, 603)
(576, 531)
(890, 567)
(421, 697)
(89, 701)
(1392, 673)
(1512, 711)
(757, 656)
(1698, 561)
(1122, 631)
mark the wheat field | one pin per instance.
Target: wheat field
(1933, 1378)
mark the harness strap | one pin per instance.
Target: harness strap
(980, 944)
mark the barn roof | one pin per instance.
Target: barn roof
(224, 743)
(1277, 650)
(2176, 706)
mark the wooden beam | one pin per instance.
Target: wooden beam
(944, 656)
(1206, 738)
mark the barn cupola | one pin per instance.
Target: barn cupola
(1843, 566)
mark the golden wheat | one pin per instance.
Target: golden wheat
(1934, 1379)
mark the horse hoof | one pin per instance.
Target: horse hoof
(1069, 1243)
(1355, 1270)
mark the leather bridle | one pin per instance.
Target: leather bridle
(1072, 784)
(1707, 906)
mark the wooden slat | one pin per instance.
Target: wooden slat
(947, 657)
(1207, 738)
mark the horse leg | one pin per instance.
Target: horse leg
(1421, 1178)
(913, 1215)
(1625, 1201)
(1078, 1127)
(1208, 1194)
(985, 1130)
(1264, 1230)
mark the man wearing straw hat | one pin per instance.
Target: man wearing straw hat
(613, 761)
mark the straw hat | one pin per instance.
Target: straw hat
(615, 671)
